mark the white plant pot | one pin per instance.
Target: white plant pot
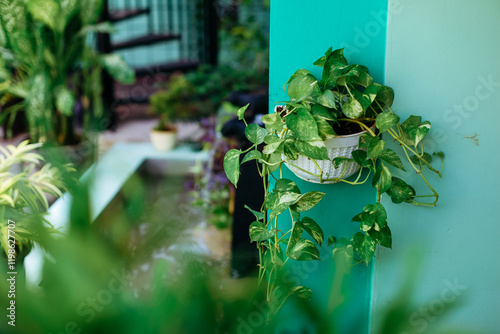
(341, 146)
(163, 141)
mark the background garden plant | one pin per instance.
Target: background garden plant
(49, 70)
(318, 110)
(25, 187)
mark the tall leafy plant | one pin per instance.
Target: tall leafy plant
(47, 65)
(345, 100)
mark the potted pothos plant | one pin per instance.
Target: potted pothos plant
(344, 103)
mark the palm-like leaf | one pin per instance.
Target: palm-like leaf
(23, 195)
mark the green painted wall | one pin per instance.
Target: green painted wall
(443, 62)
(301, 31)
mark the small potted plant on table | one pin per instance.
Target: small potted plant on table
(304, 135)
(170, 105)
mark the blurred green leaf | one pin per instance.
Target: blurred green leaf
(65, 100)
(364, 246)
(302, 292)
(232, 166)
(343, 257)
(102, 27)
(304, 250)
(118, 68)
(45, 11)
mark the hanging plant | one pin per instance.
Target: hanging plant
(344, 104)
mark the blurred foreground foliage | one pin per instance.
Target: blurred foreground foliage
(90, 284)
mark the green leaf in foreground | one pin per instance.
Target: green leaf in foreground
(286, 185)
(386, 120)
(400, 191)
(280, 201)
(382, 237)
(312, 149)
(252, 155)
(301, 87)
(304, 250)
(232, 166)
(385, 95)
(241, 112)
(392, 158)
(258, 215)
(258, 232)
(273, 121)
(365, 246)
(325, 130)
(303, 125)
(352, 108)
(313, 229)
(375, 148)
(295, 236)
(372, 214)
(385, 178)
(309, 200)
(255, 133)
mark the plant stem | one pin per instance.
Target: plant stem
(419, 172)
(350, 182)
(305, 171)
(319, 168)
(361, 124)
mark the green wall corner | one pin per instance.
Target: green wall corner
(301, 31)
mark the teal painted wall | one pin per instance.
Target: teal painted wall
(301, 31)
(443, 62)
